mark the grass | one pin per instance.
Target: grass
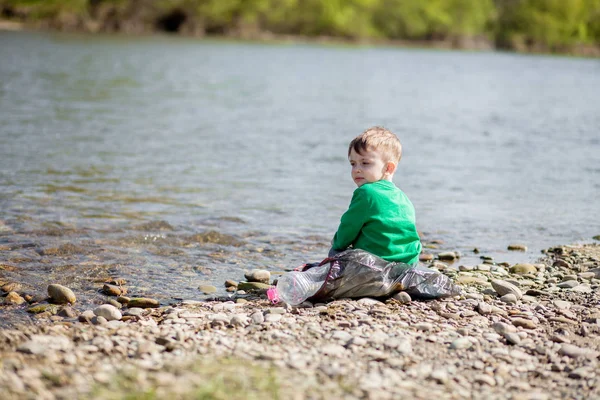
(215, 379)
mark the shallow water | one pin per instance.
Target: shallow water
(119, 156)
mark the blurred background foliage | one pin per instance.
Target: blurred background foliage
(523, 25)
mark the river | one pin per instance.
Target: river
(173, 162)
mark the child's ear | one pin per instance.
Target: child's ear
(390, 167)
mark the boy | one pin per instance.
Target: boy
(380, 218)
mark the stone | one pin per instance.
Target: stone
(14, 298)
(86, 316)
(536, 292)
(517, 247)
(114, 303)
(254, 286)
(461, 343)
(273, 317)
(207, 289)
(524, 323)
(523, 268)
(134, 312)
(258, 275)
(425, 257)
(11, 287)
(581, 373)
(501, 328)
(587, 275)
(402, 297)
(143, 302)
(584, 288)
(502, 287)
(113, 290)
(509, 298)
(42, 308)
(568, 284)
(471, 280)
(484, 308)
(67, 312)
(109, 312)
(424, 326)
(257, 318)
(512, 338)
(447, 256)
(573, 351)
(485, 380)
(560, 263)
(230, 283)
(42, 344)
(60, 294)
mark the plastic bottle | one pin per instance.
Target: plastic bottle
(295, 287)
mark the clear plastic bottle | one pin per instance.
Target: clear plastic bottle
(295, 287)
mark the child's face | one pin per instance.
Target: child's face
(368, 167)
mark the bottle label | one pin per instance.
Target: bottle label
(273, 295)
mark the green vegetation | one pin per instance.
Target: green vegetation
(215, 379)
(539, 25)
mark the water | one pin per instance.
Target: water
(117, 154)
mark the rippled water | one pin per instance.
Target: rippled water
(173, 162)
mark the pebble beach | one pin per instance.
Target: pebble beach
(521, 331)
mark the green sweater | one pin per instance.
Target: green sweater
(380, 220)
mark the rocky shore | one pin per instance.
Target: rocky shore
(524, 331)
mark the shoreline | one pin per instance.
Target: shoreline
(539, 340)
(460, 44)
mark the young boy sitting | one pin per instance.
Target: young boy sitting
(380, 218)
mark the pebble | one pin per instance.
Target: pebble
(14, 298)
(568, 284)
(134, 312)
(231, 283)
(424, 326)
(113, 290)
(501, 328)
(582, 289)
(207, 289)
(402, 297)
(484, 308)
(517, 247)
(109, 312)
(485, 380)
(512, 338)
(67, 312)
(425, 257)
(573, 351)
(254, 286)
(42, 344)
(447, 256)
(524, 323)
(523, 269)
(143, 302)
(367, 343)
(258, 275)
(461, 343)
(502, 287)
(257, 318)
(60, 294)
(509, 298)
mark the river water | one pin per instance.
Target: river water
(174, 162)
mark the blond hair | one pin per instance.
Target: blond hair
(380, 139)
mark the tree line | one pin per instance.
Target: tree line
(545, 25)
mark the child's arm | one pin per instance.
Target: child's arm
(351, 222)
